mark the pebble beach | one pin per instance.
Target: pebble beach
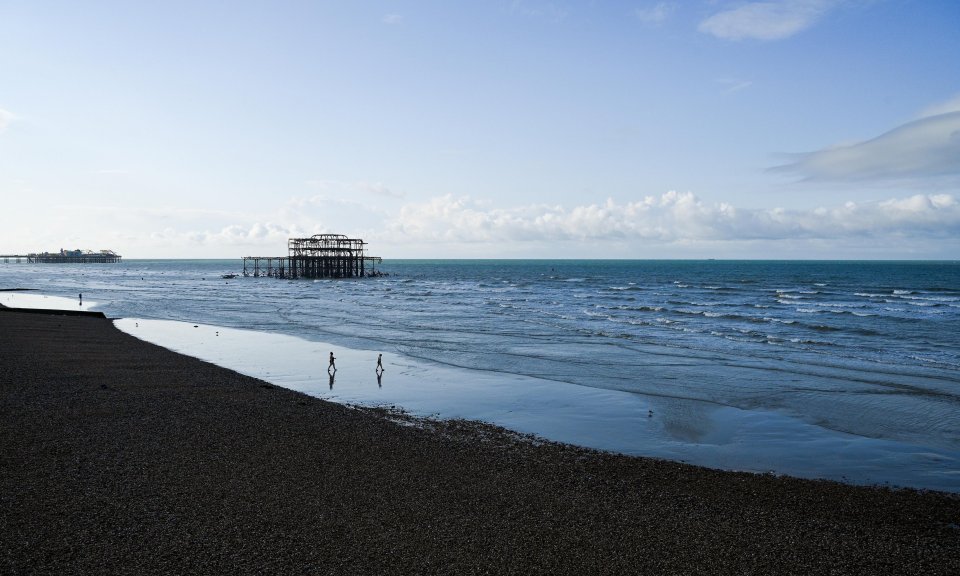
(122, 457)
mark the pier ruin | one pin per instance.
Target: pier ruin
(319, 256)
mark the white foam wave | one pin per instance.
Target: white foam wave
(935, 361)
(932, 298)
(869, 295)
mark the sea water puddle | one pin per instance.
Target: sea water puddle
(672, 428)
(43, 302)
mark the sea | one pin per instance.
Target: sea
(842, 370)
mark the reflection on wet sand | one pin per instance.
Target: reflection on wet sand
(682, 429)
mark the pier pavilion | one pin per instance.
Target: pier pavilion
(64, 257)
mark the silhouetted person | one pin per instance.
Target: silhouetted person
(380, 362)
(332, 365)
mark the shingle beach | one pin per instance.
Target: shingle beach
(121, 457)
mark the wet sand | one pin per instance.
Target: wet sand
(118, 456)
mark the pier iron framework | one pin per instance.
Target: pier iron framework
(319, 256)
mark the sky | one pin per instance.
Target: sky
(807, 129)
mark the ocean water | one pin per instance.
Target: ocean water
(846, 370)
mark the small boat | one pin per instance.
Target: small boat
(228, 276)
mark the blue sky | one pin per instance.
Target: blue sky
(500, 129)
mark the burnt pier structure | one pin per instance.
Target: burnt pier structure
(319, 256)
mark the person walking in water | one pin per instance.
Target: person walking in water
(332, 366)
(380, 362)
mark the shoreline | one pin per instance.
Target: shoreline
(121, 456)
(716, 436)
(722, 437)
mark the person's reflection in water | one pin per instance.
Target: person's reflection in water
(379, 370)
(332, 376)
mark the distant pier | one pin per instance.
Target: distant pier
(64, 257)
(319, 256)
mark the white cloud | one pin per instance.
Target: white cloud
(168, 230)
(674, 217)
(257, 233)
(732, 85)
(668, 225)
(921, 149)
(392, 19)
(766, 20)
(952, 105)
(233, 240)
(656, 14)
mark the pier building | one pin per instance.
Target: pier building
(64, 257)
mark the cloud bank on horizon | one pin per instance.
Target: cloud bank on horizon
(675, 223)
(673, 217)
(525, 128)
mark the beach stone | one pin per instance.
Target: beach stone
(121, 457)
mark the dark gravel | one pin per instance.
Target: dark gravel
(120, 457)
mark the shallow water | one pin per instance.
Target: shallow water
(840, 370)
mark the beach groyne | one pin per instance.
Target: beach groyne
(120, 456)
